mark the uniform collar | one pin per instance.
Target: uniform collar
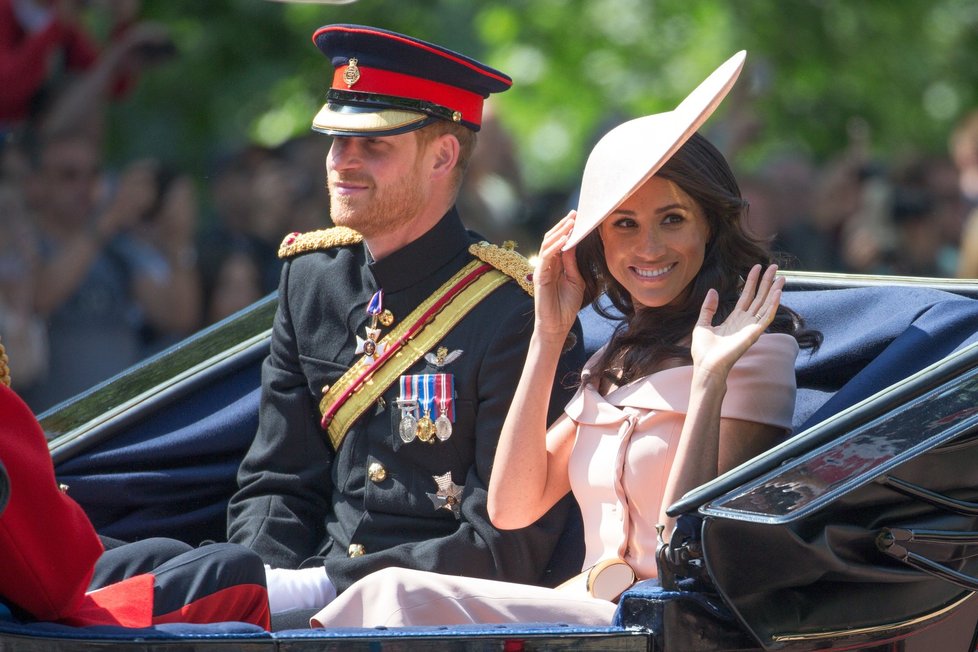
(419, 259)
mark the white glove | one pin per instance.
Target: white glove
(303, 588)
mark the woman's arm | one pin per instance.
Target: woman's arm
(530, 467)
(709, 445)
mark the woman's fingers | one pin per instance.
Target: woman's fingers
(749, 290)
(765, 312)
(763, 289)
(756, 292)
(561, 227)
(709, 308)
(550, 250)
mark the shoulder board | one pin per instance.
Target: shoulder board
(299, 243)
(507, 260)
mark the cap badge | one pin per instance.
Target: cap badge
(352, 73)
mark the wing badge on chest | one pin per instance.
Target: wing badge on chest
(442, 357)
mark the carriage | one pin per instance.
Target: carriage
(858, 532)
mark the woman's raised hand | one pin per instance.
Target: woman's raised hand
(558, 288)
(717, 348)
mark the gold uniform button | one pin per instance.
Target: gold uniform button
(376, 472)
(356, 550)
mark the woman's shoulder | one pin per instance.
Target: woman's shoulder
(771, 347)
(761, 386)
(771, 358)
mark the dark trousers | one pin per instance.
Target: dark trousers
(213, 583)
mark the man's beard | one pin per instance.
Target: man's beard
(385, 211)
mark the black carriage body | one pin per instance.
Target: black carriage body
(850, 535)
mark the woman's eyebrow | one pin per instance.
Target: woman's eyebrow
(658, 211)
(670, 207)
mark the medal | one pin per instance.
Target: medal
(370, 346)
(426, 428)
(449, 495)
(408, 426)
(422, 396)
(443, 425)
(407, 404)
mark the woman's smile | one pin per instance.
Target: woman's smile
(652, 273)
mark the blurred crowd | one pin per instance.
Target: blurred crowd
(102, 266)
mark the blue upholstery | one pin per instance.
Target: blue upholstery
(873, 338)
(172, 474)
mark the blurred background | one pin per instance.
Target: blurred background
(155, 152)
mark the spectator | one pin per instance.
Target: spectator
(492, 197)
(94, 288)
(927, 215)
(781, 204)
(165, 241)
(237, 284)
(243, 192)
(20, 326)
(35, 35)
(964, 152)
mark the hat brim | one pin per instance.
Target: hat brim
(343, 120)
(628, 155)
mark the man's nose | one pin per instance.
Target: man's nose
(344, 153)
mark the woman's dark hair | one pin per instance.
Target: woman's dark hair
(646, 338)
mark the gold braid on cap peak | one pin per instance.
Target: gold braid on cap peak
(4, 367)
(507, 260)
(299, 243)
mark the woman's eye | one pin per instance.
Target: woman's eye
(673, 218)
(624, 222)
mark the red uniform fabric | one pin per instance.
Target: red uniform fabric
(48, 550)
(47, 544)
(25, 59)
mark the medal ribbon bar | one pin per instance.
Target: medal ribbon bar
(427, 324)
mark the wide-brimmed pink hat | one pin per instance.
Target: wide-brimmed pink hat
(633, 151)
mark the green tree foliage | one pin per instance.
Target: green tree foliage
(818, 71)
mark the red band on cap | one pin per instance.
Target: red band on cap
(385, 82)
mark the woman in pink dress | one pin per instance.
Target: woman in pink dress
(698, 378)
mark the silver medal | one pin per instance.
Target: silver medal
(408, 427)
(443, 427)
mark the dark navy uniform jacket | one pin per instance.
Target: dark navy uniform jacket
(300, 504)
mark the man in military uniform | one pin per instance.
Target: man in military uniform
(396, 348)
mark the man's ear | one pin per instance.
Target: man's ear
(445, 150)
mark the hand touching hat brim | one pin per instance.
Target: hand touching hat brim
(633, 151)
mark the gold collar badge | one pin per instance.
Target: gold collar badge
(352, 73)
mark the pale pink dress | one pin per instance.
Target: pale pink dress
(633, 431)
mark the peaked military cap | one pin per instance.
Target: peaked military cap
(386, 83)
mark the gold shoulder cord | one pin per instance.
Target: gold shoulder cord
(300, 243)
(508, 261)
(4, 366)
